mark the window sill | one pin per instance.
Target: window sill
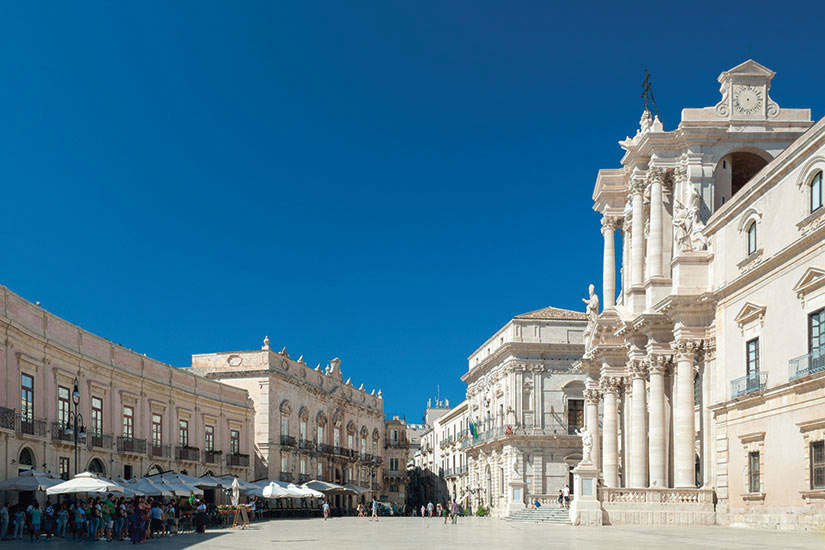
(811, 217)
(758, 497)
(816, 493)
(752, 258)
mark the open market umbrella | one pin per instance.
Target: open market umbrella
(152, 489)
(236, 492)
(85, 482)
(358, 490)
(31, 480)
(328, 488)
(273, 490)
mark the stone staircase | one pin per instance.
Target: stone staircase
(545, 514)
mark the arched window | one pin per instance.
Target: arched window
(816, 192)
(96, 467)
(26, 460)
(752, 238)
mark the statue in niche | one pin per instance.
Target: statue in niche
(587, 444)
(687, 225)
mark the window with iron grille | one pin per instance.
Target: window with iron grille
(818, 465)
(753, 472)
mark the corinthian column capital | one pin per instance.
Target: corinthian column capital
(637, 368)
(655, 174)
(657, 363)
(610, 384)
(592, 396)
(609, 224)
(686, 349)
(637, 186)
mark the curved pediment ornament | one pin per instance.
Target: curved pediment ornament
(338, 418)
(375, 435)
(750, 312)
(321, 418)
(811, 280)
(285, 407)
(364, 431)
(351, 427)
(303, 413)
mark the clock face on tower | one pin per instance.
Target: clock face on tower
(747, 100)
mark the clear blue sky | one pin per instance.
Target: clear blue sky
(386, 182)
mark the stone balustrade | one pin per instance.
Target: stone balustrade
(657, 506)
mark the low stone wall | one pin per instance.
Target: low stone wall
(797, 518)
(657, 506)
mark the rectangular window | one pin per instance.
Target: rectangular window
(816, 337)
(127, 471)
(157, 430)
(97, 417)
(183, 433)
(350, 442)
(303, 465)
(209, 439)
(284, 464)
(320, 434)
(818, 465)
(336, 437)
(26, 398)
(394, 436)
(753, 472)
(128, 422)
(63, 467)
(284, 425)
(320, 471)
(393, 488)
(575, 415)
(752, 348)
(302, 430)
(62, 407)
(234, 442)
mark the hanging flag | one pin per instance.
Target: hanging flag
(473, 430)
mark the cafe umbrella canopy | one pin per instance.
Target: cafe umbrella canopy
(85, 482)
(32, 480)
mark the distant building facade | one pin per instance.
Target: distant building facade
(396, 458)
(141, 416)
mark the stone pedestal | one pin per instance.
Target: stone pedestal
(690, 272)
(516, 496)
(585, 508)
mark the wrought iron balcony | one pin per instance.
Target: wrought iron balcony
(303, 478)
(160, 451)
(59, 433)
(286, 477)
(211, 457)
(100, 441)
(324, 448)
(191, 454)
(287, 441)
(305, 445)
(810, 363)
(238, 460)
(751, 383)
(30, 426)
(6, 418)
(399, 444)
(131, 445)
(377, 459)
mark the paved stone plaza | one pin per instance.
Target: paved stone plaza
(471, 533)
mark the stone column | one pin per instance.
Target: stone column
(685, 438)
(656, 176)
(637, 236)
(657, 433)
(610, 469)
(609, 263)
(591, 422)
(638, 427)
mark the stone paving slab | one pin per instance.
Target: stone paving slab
(469, 534)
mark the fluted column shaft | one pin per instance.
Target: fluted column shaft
(657, 238)
(610, 470)
(685, 440)
(638, 428)
(609, 263)
(656, 430)
(637, 235)
(591, 423)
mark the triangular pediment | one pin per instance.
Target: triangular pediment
(749, 312)
(811, 279)
(749, 68)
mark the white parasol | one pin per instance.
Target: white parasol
(86, 482)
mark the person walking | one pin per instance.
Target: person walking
(561, 498)
(374, 509)
(455, 511)
(48, 519)
(4, 520)
(19, 521)
(79, 522)
(37, 516)
(567, 496)
(62, 520)
(430, 509)
(325, 508)
(201, 517)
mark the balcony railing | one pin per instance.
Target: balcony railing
(191, 454)
(30, 426)
(160, 451)
(286, 477)
(59, 433)
(365, 457)
(131, 445)
(324, 448)
(303, 478)
(304, 444)
(211, 457)
(399, 444)
(100, 441)
(377, 459)
(6, 418)
(488, 433)
(809, 363)
(239, 460)
(287, 441)
(751, 383)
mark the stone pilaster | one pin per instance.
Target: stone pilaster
(610, 439)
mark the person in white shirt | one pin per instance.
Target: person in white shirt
(567, 496)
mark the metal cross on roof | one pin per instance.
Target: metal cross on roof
(647, 93)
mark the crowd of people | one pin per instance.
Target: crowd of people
(97, 519)
(449, 511)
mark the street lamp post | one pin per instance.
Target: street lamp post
(74, 424)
